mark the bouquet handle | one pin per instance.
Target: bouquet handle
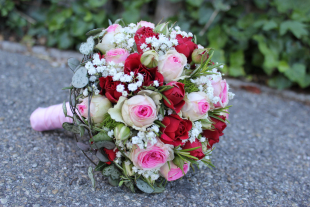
(50, 118)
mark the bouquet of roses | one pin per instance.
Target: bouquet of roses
(151, 100)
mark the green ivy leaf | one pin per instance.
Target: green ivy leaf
(269, 25)
(296, 27)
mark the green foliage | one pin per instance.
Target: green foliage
(108, 122)
(257, 37)
(189, 86)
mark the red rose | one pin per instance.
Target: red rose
(110, 153)
(108, 88)
(141, 35)
(197, 152)
(176, 129)
(186, 46)
(175, 96)
(133, 64)
(213, 136)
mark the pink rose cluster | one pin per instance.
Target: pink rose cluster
(155, 101)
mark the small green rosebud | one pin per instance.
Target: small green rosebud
(198, 54)
(127, 165)
(121, 132)
(149, 59)
(162, 28)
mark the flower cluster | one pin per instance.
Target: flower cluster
(154, 104)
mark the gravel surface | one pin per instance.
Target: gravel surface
(262, 160)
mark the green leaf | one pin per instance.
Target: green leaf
(101, 157)
(190, 149)
(66, 88)
(143, 186)
(102, 136)
(83, 146)
(236, 64)
(296, 73)
(195, 3)
(64, 108)
(178, 161)
(105, 144)
(130, 186)
(91, 176)
(96, 3)
(120, 183)
(113, 182)
(296, 27)
(279, 82)
(158, 188)
(159, 123)
(79, 79)
(217, 37)
(94, 32)
(71, 127)
(116, 174)
(219, 5)
(269, 25)
(166, 99)
(100, 166)
(73, 63)
(109, 170)
(283, 66)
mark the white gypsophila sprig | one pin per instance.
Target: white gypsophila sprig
(194, 132)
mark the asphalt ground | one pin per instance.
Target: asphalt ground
(262, 160)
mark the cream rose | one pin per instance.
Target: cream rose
(171, 65)
(99, 105)
(106, 42)
(196, 106)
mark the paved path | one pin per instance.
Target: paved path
(263, 159)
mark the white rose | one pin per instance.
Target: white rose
(106, 43)
(171, 65)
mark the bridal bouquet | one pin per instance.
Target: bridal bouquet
(151, 100)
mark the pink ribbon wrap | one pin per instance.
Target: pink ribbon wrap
(52, 117)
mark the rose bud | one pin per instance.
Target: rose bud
(197, 152)
(117, 55)
(175, 172)
(149, 59)
(153, 156)
(220, 90)
(128, 167)
(162, 28)
(139, 112)
(99, 105)
(196, 106)
(171, 65)
(200, 54)
(121, 132)
(106, 42)
(145, 24)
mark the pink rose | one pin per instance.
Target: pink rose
(221, 91)
(145, 24)
(106, 42)
(99, 105)
(117, 55)
(139, 112)
(171, 65)
(113, 27)
(154, 156)
(196, 106)
(174, 173)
